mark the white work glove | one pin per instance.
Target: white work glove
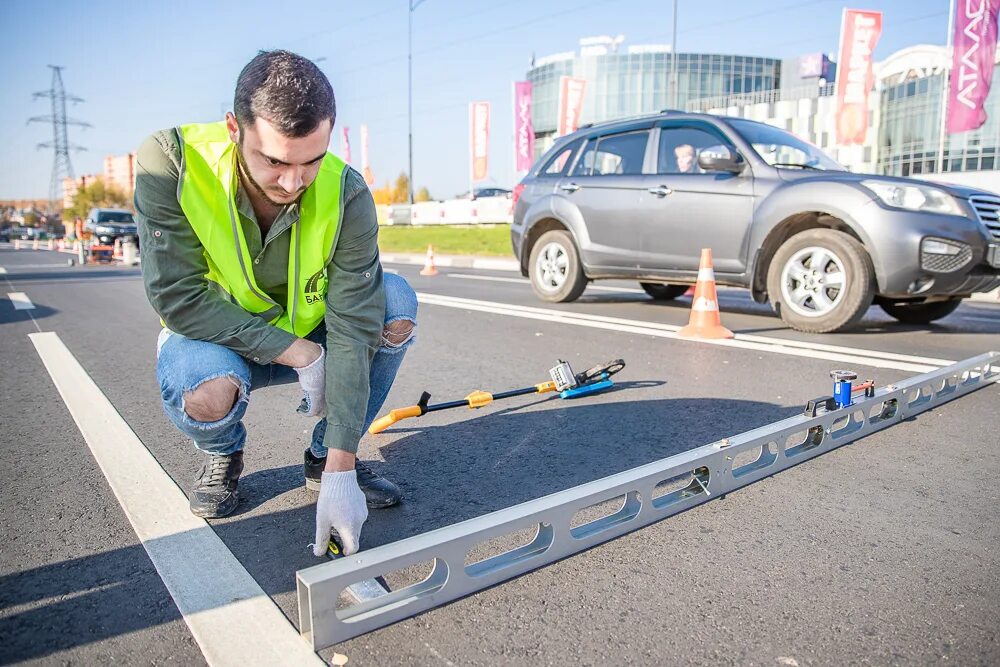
(341, 507)
(312, 379)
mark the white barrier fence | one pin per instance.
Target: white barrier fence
(484, 210)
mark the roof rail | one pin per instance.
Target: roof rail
(669, 111)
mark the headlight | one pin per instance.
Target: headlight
(101, 229)
(914, 197)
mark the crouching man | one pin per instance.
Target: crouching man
(259, 253)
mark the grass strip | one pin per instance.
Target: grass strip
(492, 240)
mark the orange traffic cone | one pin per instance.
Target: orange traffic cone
(429, 268)
(705, 320)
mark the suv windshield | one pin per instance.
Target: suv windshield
(115, 216)
(782, 149)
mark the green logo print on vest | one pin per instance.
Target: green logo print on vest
(207, 195)
(315, 289)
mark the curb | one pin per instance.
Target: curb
(455, 261)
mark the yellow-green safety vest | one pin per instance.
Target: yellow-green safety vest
(207, 195)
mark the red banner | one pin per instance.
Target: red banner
(479, 139)
(345, 144)
(571, 92)
(859, 34)
(975, 42)
(524, 131)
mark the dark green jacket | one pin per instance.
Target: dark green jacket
(173, 270)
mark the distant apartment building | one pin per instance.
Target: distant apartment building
(119, 172)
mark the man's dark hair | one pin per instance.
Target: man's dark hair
(286, 90)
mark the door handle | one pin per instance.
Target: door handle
(570, 187)
(660, 191)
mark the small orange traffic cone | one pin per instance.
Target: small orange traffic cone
(705, 321)
(429, 268)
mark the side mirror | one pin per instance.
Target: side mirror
(720, 158)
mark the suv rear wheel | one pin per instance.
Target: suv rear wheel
(662, 292)
(554, 268)
(820, 281)
(920, 312)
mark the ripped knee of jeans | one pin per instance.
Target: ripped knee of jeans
(398, 334)
(213, 399)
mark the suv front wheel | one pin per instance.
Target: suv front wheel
(820, 281)
(554, 268)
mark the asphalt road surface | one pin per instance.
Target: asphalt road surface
(883, 552)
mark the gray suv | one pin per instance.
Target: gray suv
(639, 198)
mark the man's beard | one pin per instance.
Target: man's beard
(253, 183)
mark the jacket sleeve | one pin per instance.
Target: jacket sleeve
(355, 315)
(174, 267)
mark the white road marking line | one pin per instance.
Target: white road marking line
(229, 615)
(746, 337)
(871, 358)
(20, 301)
(2, 270)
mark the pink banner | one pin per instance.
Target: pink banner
(345, 144)
(366, 169)
(859, 34)
(524, 131)
(479, 139)
(571, 92)
(975, 43)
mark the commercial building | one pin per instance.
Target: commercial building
(636, 80)
(796, 94)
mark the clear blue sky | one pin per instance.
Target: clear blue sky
(144, 66)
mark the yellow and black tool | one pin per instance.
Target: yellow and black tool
(563, 381)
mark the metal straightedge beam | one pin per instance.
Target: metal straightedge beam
(644, 495)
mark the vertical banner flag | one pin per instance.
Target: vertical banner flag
(570, 103)
(479, 139)
(366, 169)
(345, 144)
(859, 33)
(975, 43)
(524, 131)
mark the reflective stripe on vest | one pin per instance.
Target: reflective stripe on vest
(207, 195)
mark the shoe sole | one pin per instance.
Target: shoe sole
(312, 484)
(205, 514)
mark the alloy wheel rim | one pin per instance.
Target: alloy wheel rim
(552, 267)
(813, 281)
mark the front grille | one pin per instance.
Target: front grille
(988, 212)
(946, 263)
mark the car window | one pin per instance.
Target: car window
(680, 147)
(556, 165)
(114, 216)
(614, 154)
(586, 160)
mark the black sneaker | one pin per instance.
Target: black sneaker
(379, 492)
(214, 493)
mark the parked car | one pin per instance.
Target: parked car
(639, 198)
(4, 234)
(110, 224)
(485, 192)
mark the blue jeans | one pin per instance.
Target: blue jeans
(184, 364)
